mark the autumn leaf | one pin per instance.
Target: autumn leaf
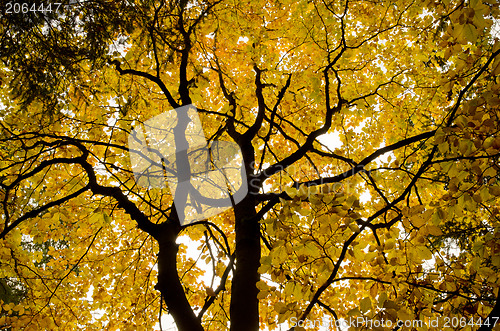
(366, 183)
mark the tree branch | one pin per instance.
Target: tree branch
(148, 76)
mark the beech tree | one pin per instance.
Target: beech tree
(368, 138)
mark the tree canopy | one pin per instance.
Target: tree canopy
(369, 141)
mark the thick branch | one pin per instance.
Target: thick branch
(128, 206)
(37, 211)
(307, 146)
(346, 245)
(360, 166)
(273, 115)
(150, 77)
(252, 131)
(169, 283)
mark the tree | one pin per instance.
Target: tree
(398, 221)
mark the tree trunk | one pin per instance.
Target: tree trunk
(244, 308)
(169, 283)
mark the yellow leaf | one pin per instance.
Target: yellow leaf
(261, 285)
(434, 230)
(496, 66)
(494, 190)
(423, 253)
(365, 304)
(443, 147)
(418, 221)
(354, 312)
(470, 32)
(403, 315)
(291, 191)
(280, 307)
(382, 298)
(354, 227)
